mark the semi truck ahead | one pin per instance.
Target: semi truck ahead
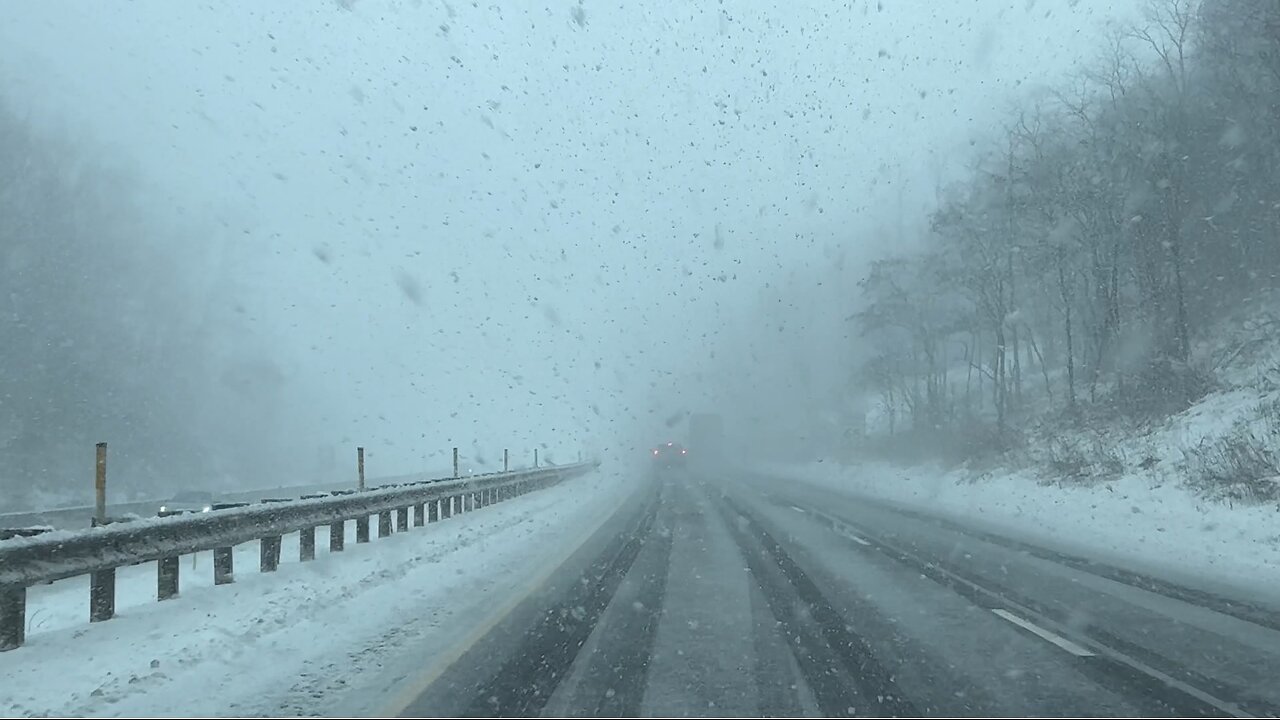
(706, 439)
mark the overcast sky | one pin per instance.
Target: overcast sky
(516, 223)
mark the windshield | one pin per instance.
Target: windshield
(639, 358)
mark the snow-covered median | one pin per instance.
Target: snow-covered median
(331, 637)
(1130, 521)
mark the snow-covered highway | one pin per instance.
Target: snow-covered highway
(744, 595)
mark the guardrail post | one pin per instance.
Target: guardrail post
(167, 578)
(419, 515)
(446, 508)
(306, 544)
(402, 519)
(360, 467)
(102, 595)
(384, 524)
(337, 535)
(455, 463)
(433, 511)
(270, 553)
(362, 529)
(100, 485)
(13, 617)
(223, 565)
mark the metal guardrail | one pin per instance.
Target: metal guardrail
(29, 561)
(74, 517)
(6, 533)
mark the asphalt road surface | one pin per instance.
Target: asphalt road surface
(713, 596)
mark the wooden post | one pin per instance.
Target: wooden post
(360, 468)
(455, 462)
(362, 529)
(419, 515)
(433, 511)
(384, 524)
(402, 519)
(506, 460)
(535, 457)
(100, 486)
(337, 535)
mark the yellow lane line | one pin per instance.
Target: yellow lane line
(443, 660)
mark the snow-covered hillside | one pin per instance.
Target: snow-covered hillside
(1195, 493)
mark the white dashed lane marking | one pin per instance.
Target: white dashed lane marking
(846, 532)
(1058, 640)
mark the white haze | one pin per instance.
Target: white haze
(551, 224)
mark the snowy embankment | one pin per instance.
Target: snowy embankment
(334, 636)
(1191, 497)
(1149, 527)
